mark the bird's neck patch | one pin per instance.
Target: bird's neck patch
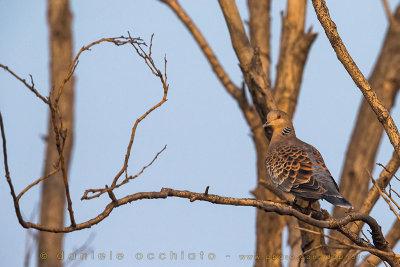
(286, 131)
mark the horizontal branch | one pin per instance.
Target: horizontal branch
(267, 206)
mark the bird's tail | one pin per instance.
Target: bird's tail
(338, 201)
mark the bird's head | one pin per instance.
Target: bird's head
(279, 121)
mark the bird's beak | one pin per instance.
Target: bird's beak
(266, 124)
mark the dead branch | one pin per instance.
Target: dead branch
(31, 86)
(368, 131)
(345, 245)
(388, 199)
(268, 206)
(249, 111)
(118, 41)
(107, 189)
(362, 83)
(38, 181)
(61, 133)
(384, 179)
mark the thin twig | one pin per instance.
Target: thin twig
(163, 78)
(371, 250)
(118, 41)
(126, 180)
(390, 172)
(38, 181)
(30, 87)
(383, 195)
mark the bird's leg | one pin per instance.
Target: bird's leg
(308, 209)
(351, 209)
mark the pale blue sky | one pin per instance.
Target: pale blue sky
(208, 140)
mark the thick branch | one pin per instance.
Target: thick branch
(294, 49)
(249, 59)
(260, 31)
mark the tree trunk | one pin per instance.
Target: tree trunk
(269, 226)
(53, 191)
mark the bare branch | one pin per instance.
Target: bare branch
(118, 41)
(29, 86)
(7, 172)
(386, 197)
(223, 77)
(345, 245)
(368, 131)
(268, 206)
(237, 93)
(38, 181)
(362, 83)
(392, 237)
(107, 189)
(249, 59)
(163, 79)
(384, 179)
(373, 194)
(60, 133)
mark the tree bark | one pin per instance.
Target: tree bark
(260, 31)
(53, 191)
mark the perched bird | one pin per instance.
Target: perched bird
(296, 167)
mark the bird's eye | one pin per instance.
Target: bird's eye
(279, 116)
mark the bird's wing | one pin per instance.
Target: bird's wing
(320, 161)
(292, 170)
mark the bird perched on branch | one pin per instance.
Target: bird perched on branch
(296, 167)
